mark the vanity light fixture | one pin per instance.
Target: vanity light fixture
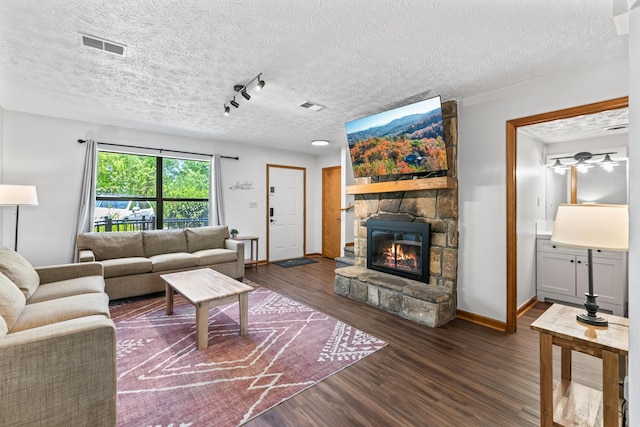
(242, 90)
(558, 167)
(583, 162)
(608, 164)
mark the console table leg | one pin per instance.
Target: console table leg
(610, 375)
(546, 380)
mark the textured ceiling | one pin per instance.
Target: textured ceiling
(582, 127)
(355, 57)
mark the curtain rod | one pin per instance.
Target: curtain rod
(82, 141)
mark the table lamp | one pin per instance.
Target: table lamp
(592, 226)
(18, 195)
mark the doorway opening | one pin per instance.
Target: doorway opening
(511, 151)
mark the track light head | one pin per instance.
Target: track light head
(234, 103)
(226, 110)
(260, 84)
(245, 95)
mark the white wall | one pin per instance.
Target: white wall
(530, 209)
(634, 208)
(43, 151)
(481, 169)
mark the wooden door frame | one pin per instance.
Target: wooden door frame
(512, 141)
(322, 219)
(304, 205)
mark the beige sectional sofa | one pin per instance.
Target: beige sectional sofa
(57, 345)
(133, 261)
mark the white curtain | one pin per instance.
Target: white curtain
(87, 203)
(216, 206)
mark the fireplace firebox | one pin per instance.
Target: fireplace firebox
(400, 248)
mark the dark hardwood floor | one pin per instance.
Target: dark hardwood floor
(459, 375)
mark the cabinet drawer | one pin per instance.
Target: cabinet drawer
(597, 253)
(544, 245)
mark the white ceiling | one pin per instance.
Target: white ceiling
(355, 57)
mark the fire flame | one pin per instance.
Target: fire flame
(397, 258)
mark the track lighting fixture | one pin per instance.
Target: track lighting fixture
(583, 162)
(242, 90)
(260, 84)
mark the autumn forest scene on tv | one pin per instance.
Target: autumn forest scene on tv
(406, 140)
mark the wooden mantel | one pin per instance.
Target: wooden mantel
(404, 185)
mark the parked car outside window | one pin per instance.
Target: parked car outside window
(123, 210)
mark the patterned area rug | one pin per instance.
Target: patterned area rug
(163, 380)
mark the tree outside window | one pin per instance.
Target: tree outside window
(137, 192)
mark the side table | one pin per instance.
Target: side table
(575, 403)
(254, 258)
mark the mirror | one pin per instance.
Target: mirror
(595, 186)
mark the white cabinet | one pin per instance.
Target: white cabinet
(562, 276)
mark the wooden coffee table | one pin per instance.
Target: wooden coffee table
(205, 289)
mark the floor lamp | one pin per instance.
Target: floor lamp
(591, 227)
(18, 195)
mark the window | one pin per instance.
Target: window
(138, 192)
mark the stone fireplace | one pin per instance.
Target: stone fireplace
(432, 301)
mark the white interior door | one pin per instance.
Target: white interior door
(286, 213)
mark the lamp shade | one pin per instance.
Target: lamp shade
(592, 226)
(18, 195)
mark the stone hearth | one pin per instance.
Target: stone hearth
(420, 302)
(432, 304)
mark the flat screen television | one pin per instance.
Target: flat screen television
(407, 140)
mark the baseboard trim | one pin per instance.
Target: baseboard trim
(527, 306)
(314, 254)
(481, 320)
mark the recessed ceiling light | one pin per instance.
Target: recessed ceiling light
(320, 142)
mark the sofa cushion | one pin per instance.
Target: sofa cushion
(164, 242)
(111, 245)
(206, 237)
(12, 301)
(125, 266)
(164, 262)
(19, 271)
(67, 288)
(215, 256)
(3, 328)
(61, 309)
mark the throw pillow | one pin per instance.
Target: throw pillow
(12, 301)
(19, 271)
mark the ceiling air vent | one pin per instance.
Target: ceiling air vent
(311, 106)
(107, 46)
